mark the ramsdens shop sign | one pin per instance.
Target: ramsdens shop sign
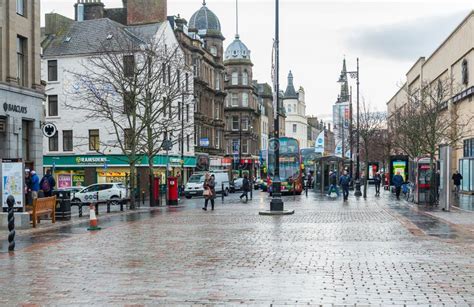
(91, 160)
(7, 107)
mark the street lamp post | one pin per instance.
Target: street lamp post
(240, 145)
(356, 75)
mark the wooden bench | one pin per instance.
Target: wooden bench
(43, 206)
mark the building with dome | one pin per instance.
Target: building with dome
(202, 41)
(242, 112)
(296, 123)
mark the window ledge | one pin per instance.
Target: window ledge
(53, 82)
(53, 117)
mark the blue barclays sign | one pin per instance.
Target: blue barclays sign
(7, 107)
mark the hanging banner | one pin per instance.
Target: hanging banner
(12, 182)
(319, 146)
(338, 150)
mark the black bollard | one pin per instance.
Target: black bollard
(143, 197)
(223, 192)
(108, 206)
(11, 223)
(307, 188)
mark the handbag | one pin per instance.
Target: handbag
(207, 192)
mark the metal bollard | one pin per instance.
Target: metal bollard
(143, 198)
(222, 192)
(108, 206)
(251, 190)
(97, 209)
(307, 188)
(294, 190)
(80, 209)
(11, 223)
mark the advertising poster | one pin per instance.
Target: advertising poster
(64, 181)
(400, 166)
(12, 182)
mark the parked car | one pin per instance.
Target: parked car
(101, 192)
(195, 185)
(238, 183)
(257, 184)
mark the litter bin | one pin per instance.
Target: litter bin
(63, 205)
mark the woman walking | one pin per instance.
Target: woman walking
(209, 191)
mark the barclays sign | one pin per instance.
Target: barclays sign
(7, 107)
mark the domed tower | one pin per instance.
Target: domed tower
(206, 24)
(241, 111)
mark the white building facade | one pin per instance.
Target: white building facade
(84, 149)
(296, 124)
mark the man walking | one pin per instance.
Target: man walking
(345, 182)
(245, 188)
(397, 181)
(47, 184)
(457, 177)
(333, 184)
(377, 182)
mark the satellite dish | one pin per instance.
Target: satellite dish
(49, 130)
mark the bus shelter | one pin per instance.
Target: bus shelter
(324, 165)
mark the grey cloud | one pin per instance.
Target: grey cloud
(404, 41)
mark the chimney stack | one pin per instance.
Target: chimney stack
(145, 11)
(88, 9)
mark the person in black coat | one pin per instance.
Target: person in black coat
(377, 182)
(245, 188)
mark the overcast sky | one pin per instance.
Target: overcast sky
(387, 36)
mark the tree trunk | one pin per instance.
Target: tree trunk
(132, 185)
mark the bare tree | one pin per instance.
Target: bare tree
(132, 84)
(429, 119)
(371, 125)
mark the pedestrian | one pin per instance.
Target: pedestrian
(333, 184)
(209, 191)
(345, 182)
(245, 188)
(377, 182)
(47, 184)
(309, 181)
(28, 186)
(397, 181)
(457, 177)
(35, 184)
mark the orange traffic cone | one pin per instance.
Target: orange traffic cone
(93, 222)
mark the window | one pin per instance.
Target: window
(218, 111)
(128, 103)
(164, 106)
(94, 141)
(187, 82)
(235, 123)
(218, 82)
(169, 75)
(245, 78)
(53, 70)
(245, 146)
(21, 60)
(128, 139)
(217, 139)
(187, 112)
(235, 145)
(294, 128)
(170, 113)
(26, 141)
(67, 140)
(234, 99)
(289, 108)
(128, 65)
(245, 123)
(465, 72)
(245, 99)
(21, 7)
(468, 148)
(187, 142)
(213, 50)
(235, 78)
(53, 143)
(53, 105)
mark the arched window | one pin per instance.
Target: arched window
(465, 72)
(235, 78)
(245, 78)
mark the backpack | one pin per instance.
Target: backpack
(45, 186)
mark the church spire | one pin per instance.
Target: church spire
(344, 96)
(290, 89)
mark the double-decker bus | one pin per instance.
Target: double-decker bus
(290, 165)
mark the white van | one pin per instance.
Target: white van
(195, 185)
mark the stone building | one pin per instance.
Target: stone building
(202, 42)
(242, 111)
(21, 89)
(453, 60)
(85, 151)
(295, 106)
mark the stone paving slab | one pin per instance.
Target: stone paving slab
(327, 253)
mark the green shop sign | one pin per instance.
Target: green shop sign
(114, 160)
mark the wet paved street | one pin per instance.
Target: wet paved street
(374, 251)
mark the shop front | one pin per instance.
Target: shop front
(79, 171)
